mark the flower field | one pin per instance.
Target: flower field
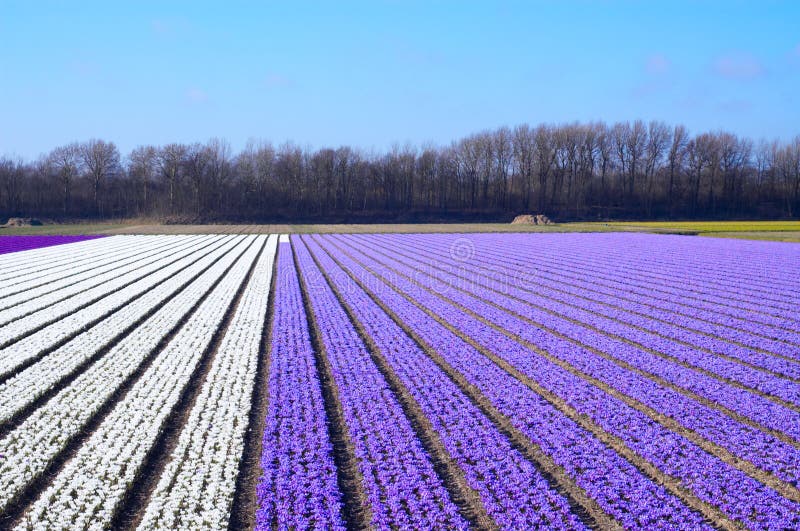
(448, 381)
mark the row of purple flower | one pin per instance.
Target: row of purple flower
(566, 386)
(14, 243)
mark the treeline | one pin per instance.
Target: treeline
(572, 171)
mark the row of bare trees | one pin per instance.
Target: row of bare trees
(572, 171)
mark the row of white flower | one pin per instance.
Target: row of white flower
(58, 279)
(196, 489)
(27, 348)
(13, 261)
(43, 296)
(46, 296)
(35, 316)
(31, 447)
(22, 263)
(26, 386)
(68, 259)
(86, 493)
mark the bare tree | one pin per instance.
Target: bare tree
(142, 164)
(101, 159)
(485, 151)
(503, 151)
(713, 155)
(219, 169)
(658, 139)
(346, 160)
(788, 163)
(196, 161)
(469, 157)
(66, 160)
(605, 145)
(568, 171)
(11, 177)
(41, 174)
(170, 159)
(676, 158)
(545, 159)
(587, 158)
(635, 145)
(524, 146)
(621, 132)
(735, 154)
(701, 155)
(289, 171)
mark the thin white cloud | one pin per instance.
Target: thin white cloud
(741, 66)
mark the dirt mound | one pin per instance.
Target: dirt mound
(528, 219)
(182, 220)
(22, 222)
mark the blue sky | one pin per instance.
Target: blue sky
(373, 73)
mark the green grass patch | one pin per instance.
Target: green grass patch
(710, 226)
(775, 236)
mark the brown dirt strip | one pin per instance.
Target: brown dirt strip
(782, 487)
(18, 418)
(563, 482)
(698, 296)
(637, 327)
(700, 332)
(635, 344)
(131, 508)
(666, 271)
(465, 497)
(351, 228)
(18, 507)
(711, 404)
(356, 511)
(556, 274)
(245, 503)
(669, 296)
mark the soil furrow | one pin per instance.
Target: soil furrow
(244, 507)
(584, 506)
(784, 488)
(33, 489)
(356, 511)
(151, 251)
(55, 319)
(466, 499)
(673, 484)
(131, 508)
(653, 330)
(3, 378)
(654, 352)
